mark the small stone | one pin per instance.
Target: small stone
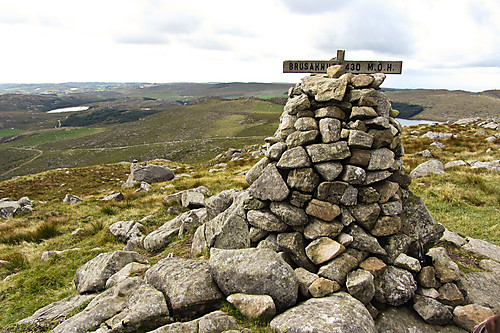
(323, 249)
(362, 80)
(330, 112)
(276, 150)
(294, 158)
(471, 315)
(407, 262)
(359, 139)
(253, 306)
(373, 265)
(329, 170)
(289, 214)
(391, 208)
(353, 175)
(323, 152)
(427, 277)
(266, 221)
(365, 214)
(446, 269)
(381, 159)
(293, 243)
(306, 124)
(322, 209)
(432, 311)
(322, 287)
(335, 71)
(305, 278)
(362, 112)
(318, 228)
(386, 226)
(270, 185)
(301, 138)
(449, 294)
(427, 168)
(304, 179)
(296, 104)
(329, 129)
(299, 199)
(360, 285)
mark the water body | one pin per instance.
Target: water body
(410, 122)
(71, 109)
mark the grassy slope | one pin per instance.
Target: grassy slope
(463, 200)
(188, 133)
(444, 105)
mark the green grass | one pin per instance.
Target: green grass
(9, 131)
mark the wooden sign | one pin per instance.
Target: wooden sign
(350, 66)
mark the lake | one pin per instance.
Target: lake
(410, 122)
(71, 109)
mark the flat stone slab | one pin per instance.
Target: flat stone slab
(339, 313)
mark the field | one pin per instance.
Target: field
(464, 200)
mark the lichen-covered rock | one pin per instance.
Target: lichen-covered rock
(253, 306)
(270, 185)
(214, 322)
(395, 286)
(149, 173)
(93, 275)
(130, 306)
(187, 285)
(360, 285)
(432, 311)
(254, 271)
(340, 313)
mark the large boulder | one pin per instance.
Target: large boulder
(187, 285)
(405, 320)
(130, 306)
(214, 322)
(93, 275)
(338, 313)
(149, 173)
(55, 312)
(255, 271)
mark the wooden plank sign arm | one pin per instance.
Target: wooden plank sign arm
(350, 66)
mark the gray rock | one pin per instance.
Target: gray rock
(299, 199)
(362, 112)
(322, 209)
(304, 179)
(305, 279)
(386, 226)
(256, 170)
(418, 224)
(406, 262)
(306, 124)
(301, 138)
(323, 152)
(446, 269)
(329, 129)
(437, 135)
(113, 196)
(365, 214)
(405, 320)
(478, 288)
(219, 202)
(92, 276)
(293, 243)
(296, 104)
(376, 176)
(55, 312)
(363, 241)
(340, 313)
(126, 230)
(192, 199)
(130, 306)
(257, 234)
(254, 271)
(266, 220)
(72, 199)
(291, 215)
(360, 285)
(449, 294)
(330, 111)
(471, 315)
(338, 268)
(381, 159)
(432, 311)
(318, 228)
(229, 229)
(214, 322)
(329, 170)
(294, 158)
(253, 306)
(353, 175)
(270, 185)
(149, 173)
(187, 285)
(129, 270)
(324, 89)
(144, 187)
(362, 80)
(323, 249)
(359, 139)
(427, 168)
(275, 151)
(482, 248)
(391, 208)
(395, 286)
(337, 192)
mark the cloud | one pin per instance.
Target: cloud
(313, 6)
(364, 25)
(145, 39)
(212, 43)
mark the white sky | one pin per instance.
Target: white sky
(449, 44)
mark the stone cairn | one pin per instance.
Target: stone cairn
(331, 197)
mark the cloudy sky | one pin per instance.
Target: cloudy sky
(449, 44)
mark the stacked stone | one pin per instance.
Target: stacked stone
(331, 186)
